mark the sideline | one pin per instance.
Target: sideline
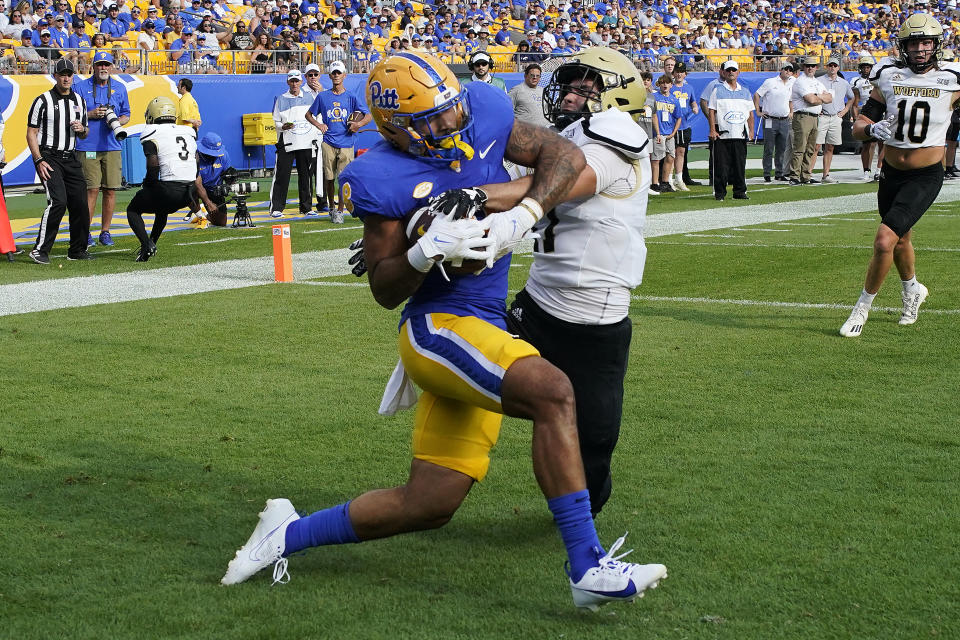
(46, 295)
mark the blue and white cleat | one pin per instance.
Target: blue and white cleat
(615, 581)
(265, 547)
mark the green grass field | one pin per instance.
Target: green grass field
(797, 484)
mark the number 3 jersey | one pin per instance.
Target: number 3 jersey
(176, 148)
(922, 102)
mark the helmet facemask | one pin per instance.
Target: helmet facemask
(912, 58)
(573, 79)
(437, 134)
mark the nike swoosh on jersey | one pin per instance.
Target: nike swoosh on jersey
(483, 154)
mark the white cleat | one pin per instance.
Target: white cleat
(911, 304)
(679, 185)
(276, 214)
(867, 176)
(265, 547)
(615, 581)
(854, 324)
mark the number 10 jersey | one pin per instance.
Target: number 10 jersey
(922, 102)
(176, 147)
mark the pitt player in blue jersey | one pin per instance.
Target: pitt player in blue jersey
(452, 342)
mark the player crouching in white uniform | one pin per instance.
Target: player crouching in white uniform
(909, 112)
(591, 251)
(172, 181)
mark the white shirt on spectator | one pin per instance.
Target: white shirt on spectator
(706, 42)
(147, 42)
(774, 96)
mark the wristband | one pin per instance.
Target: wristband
(418, 259)
(868, 130)
(37, 161)
(533, 208)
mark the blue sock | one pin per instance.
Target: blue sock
(330, 526)
(572, 515)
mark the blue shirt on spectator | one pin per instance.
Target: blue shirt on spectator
(668, 113)
(101, 136)
(187, 56)
(81, 42)
(334, 109)
(113, 27)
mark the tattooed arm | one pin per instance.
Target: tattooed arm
(556, 161)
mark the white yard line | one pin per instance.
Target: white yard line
(767, 245)
(44, 295)
(775, 303)
(187, 244)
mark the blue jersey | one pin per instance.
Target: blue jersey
(668, 113)
(211, 168)
(392, 183)
(687, 98)
(101, 136)
(334, 109)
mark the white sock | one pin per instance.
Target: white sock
(908, 284)
(866, 299)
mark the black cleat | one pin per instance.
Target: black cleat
(741, 197)
(81, 256)
(146, 251)
(39, 257)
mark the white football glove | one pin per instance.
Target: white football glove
(448, 239)
(508, 228)
(881, 130)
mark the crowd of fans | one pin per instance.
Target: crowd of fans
(265, 36)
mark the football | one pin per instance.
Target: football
(355, 116)
(417, 223)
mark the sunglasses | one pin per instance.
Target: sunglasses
(313, 75)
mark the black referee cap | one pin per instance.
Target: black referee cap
(63, 66)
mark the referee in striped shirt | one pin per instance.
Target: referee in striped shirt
(57, 117)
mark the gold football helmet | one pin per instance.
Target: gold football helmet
(419, 106)
(919, 26)
(605, 78)
(161, 110)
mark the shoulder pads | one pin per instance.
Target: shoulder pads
(612, 128)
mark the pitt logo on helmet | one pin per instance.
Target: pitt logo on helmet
(383, 99)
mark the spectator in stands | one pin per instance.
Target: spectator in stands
(710, 40)
(15, 27)
(90, 23)
(807, 99)
(58, 33)
(46, 51)
(772, 103)
(241, 40)
(28, 59)
(113, 27)
(395, 46)
(184, 50)
(334, 52)
(261, 57)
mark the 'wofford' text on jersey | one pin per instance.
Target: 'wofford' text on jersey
(921, 102)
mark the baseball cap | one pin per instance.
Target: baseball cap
(148, 24)
(211, 144)
(788, 66)
(729, 64)
(45, 32)
(103, 56)
(336, 65)
(63, 65)
(187, 30)
(91, 12)
(311, 67)
(294, 74)
(680, 67)
(480, 57)
(26, 33)
(368, 41)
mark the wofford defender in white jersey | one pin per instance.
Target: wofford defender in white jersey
(176, 150)
(921, 101)
(595, 244)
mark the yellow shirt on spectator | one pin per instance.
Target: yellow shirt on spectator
(187, 109)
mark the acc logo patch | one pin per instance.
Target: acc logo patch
(735, 117)
(422, 190)
(384, 99)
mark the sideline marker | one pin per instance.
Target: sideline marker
(282, 260)
(7, 245)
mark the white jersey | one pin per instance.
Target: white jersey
(591, 251)
(922, 102)
(176, 150)
(864, 86)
